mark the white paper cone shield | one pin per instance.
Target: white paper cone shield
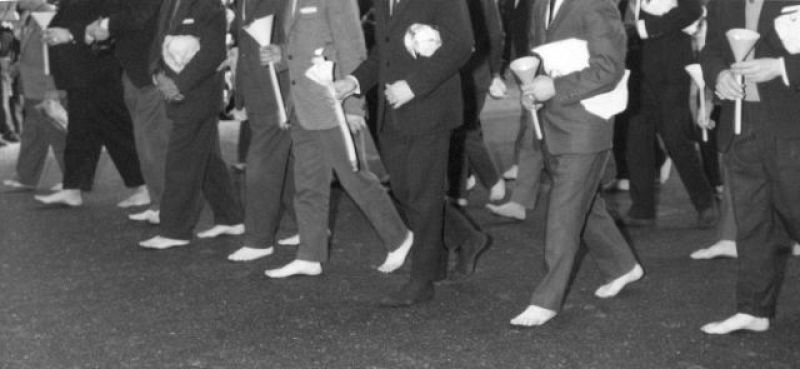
(696, 73)
(741, 41)
(43, 19)
(525, 68)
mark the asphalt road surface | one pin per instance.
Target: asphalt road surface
(77, 292)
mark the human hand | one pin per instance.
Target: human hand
(498, 89)
(345, 87)
(356, 122)
(270, 54)
(398, 93)
(168, 88)
(758, 70)
(728, 87)
(57, 36)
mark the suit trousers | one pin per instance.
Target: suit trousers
(664, 110)
(468, 151)
(576, 214)
(417, 167)
(530, 164)
(151, 129)
(269, 181)
(97, 118)
(39, 134)
(318, 154)
(764, 173)
(195, 170)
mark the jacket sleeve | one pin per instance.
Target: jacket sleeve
(714, 58)
(606, 41)
(792, 64)
(686, 13)
(456, 33)
(349, 46)
(210, 26)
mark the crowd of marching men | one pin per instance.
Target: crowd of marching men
(709, 87)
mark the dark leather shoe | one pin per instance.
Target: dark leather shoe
(630, 221)
(410, 294)
(468, 255)
(708, 217)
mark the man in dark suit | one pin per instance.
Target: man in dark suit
(96, 109)
(665, 50)
(576, 148)
(194, 167)
(269, 187)
(762, 161)
(132, 25)
(419, 106)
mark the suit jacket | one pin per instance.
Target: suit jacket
(253, 84)
(516, 27)
(568, 127)
(74, 64)
(199, 82)
(334, 28)
(487, 55)
(667, 49)
(133, 25)
(781, 101)
(435, 81)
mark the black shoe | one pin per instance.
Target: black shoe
(468, 256)
(410, 294)
(708, 217)
(630, 221)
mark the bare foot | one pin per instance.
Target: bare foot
(249, 253)
(396, 258)
(70, 198)
(533, 316)
(162, 243)
(498, 191)
(290, 241)
(221, 229)
(509, 210)
(296, 267)
(140, 197)
(721, 249)
(612, 288)
(738, 322)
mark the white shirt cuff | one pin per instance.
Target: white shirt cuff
(357, 91)
(641, 29)
(784, 74)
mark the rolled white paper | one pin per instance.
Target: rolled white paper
(261, 30)
(321, 72)
(43, 19)
(696, 74)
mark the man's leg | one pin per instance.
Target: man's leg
(640, 157)
(417, 166)
(34, 145)
(151, 129)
